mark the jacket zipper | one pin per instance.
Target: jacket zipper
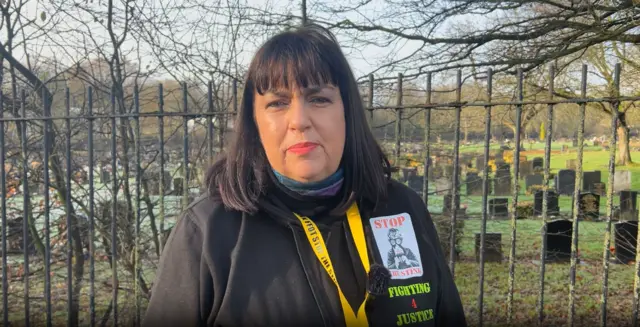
(296, 238)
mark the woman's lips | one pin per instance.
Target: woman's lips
(302, 148)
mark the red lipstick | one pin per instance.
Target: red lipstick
(302, 148)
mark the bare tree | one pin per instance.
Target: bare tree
(467, 34)
(601, 59)
(207, 43)
(103, 37)
(23, 32)
(470, 33)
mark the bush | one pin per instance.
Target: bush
(534, 188)
(524, 210)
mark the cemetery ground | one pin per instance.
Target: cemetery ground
(527, 279)
(589, 276)
(103, 285)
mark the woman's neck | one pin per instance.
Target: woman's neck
(327, 187)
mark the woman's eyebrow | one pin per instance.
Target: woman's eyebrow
(280, 93)
(317, 89)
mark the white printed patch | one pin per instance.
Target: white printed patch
(396, 241)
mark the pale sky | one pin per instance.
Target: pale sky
(362, 62)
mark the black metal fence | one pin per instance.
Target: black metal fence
(81, 250)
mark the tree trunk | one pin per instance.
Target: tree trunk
(466, 131)
(522, 135)
(623, 154)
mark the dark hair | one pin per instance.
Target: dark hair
(307, 55)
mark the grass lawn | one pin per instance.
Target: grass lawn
(103, 292)
(527, 278)
(589, 277)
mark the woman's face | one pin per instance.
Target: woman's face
(302, 130)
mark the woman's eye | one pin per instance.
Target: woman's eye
(276, 104)
(320, 100)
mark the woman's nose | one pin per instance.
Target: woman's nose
(298, 115)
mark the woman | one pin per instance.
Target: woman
(302, 224)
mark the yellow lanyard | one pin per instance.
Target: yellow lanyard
(319, 247)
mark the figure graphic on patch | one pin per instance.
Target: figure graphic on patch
(399, 257)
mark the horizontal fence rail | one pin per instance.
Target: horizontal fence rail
(93, 182)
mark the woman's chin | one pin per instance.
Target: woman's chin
(308, 175)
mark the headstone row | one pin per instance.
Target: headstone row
(558, 239)
(559, 233)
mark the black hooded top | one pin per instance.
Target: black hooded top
(228, 268)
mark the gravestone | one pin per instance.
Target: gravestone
(408, 172)
(15, 237)
(178, 186)
(474, 184)
(443, 185)
(565, 182)
(499, 208)
(416, 182)
(628, 205)
(525, 168)
(446, 203)
(625, 237)
(621, 181)
(553, 208)
(535, 180)
(574, 143)
(537, 164)
(600, 189)
(572, 164)
(558, 239)
(492, 247)
(502, 166)
(589, 206)
(105, 176)
(589, 178)
(502, 185)
(502, 180)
